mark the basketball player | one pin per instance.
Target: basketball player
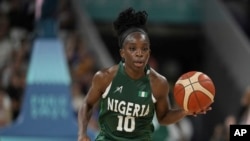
(129, 92)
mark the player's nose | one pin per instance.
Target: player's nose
(139, 52)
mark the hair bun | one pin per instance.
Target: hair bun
(130, 18)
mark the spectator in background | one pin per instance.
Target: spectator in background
(77, 96)
(80, 60)
(21, 15)
(5, 109)
(14, 75)
(66, 17)
(218, 133)
(243, 116)
(15, 90)
(222, 130)
(16, 26)
(6, 46)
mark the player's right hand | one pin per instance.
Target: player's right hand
(201, 112)
(83, 138)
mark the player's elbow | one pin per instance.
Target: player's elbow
(162, 120)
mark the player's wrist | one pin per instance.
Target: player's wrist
(188, 113)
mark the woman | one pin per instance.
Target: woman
(131, 92)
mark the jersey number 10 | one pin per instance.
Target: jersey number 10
(126, 123)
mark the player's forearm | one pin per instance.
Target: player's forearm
(84, 116)
(172, 116)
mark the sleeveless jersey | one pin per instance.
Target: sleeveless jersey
(127, 109)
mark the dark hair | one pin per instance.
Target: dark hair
(129, 18)
(130, 21)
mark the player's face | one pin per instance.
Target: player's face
(136, 50)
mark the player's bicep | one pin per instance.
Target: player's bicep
(92, 96)
(162, 107)
(161, 95)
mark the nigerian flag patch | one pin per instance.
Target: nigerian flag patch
(143, 94)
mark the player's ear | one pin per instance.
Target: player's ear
(122, 53)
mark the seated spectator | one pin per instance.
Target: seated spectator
(77, 96)
(15, 90)
(5, 109)
(243, 116)
(222, 130)
(6, 46)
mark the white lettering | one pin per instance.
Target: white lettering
(121, 107)
(136, 110)
(147, 111)
(110, 104)
(240, 132)
(128, 108)
(116, 101)
(142, 111)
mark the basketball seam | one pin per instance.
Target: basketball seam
(195, 95)
(195, 91)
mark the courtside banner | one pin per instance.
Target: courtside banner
(239, 132)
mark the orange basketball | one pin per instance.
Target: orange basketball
(194, 91)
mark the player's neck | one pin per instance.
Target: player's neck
(134, 74)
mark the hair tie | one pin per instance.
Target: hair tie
(127, 32)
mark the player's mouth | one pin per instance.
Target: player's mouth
(139, 63)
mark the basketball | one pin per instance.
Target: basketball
(194, 91)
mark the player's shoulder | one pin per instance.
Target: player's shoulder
(106, 73)
(156, 77)
(159, 84)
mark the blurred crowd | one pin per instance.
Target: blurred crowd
(16, 27)
(241, 117)
(18, 20)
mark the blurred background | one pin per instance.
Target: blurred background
(50, 49)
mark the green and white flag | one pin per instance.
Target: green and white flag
(143, 94)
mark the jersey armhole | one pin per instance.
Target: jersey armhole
(153, 98)
(106, 91)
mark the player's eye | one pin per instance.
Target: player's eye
(145, 49)
(132, 48)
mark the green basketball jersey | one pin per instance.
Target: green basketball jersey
(127, 109)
